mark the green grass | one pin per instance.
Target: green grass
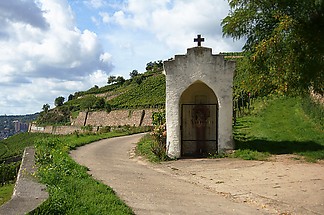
(11, 150)
(248, 154)
(281, 128)
(144, 148)
(6, 192)
(72, 190)
(15, 145)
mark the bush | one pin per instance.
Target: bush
(158, 146)
(54, 117)
(144, 148)
(158, 118)
(8, 172)
(88, 128)
(314, 110)
(105, 129)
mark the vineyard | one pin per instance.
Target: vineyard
(15, 145)
(150, 93)
(11, 151)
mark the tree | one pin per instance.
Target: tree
(88, 102)
(111, 79)
(108, 107)
(155, 67)
(284, 46)
(71, 97)
(133, 74)
(100, 103)
(149, 66)
(120, 80)
(46, 107)
(59, 101)
(138, 79)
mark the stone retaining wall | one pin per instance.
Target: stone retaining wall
(54, 129)
(141, 117)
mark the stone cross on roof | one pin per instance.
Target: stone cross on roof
(199, 39)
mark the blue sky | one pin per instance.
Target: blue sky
(52, 48)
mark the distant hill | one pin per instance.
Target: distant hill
(142, 90)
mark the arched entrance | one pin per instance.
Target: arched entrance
(199, 120)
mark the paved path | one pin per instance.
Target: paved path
(148, 189)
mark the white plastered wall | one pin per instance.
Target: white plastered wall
(199, 64)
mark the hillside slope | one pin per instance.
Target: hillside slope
(145, 90)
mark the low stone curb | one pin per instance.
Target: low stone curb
(28, 193)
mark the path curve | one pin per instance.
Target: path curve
(148, 190)
(284, 185)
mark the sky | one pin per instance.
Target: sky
(52, 48)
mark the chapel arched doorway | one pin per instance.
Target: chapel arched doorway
(199, 121)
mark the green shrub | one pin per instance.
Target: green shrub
(158, 146)
(88, 128)
(158, 118)
(8, 172)
(105, 129)
(144, 148)
(314, 110)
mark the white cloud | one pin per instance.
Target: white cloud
(119, 18)
(105, 17)
(105, 57)
(99, 78)
(23, 12)
(176, 23)
(95, 3)
(46, 55)
(142, 30)
(95, 21)
(173, 22)
(49, 49)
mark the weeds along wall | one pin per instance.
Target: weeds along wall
(140, 117)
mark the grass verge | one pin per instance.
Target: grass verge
(6, 192)
(145, 148)
(281, 128)
(71, 189)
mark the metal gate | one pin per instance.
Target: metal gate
(199, 129)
